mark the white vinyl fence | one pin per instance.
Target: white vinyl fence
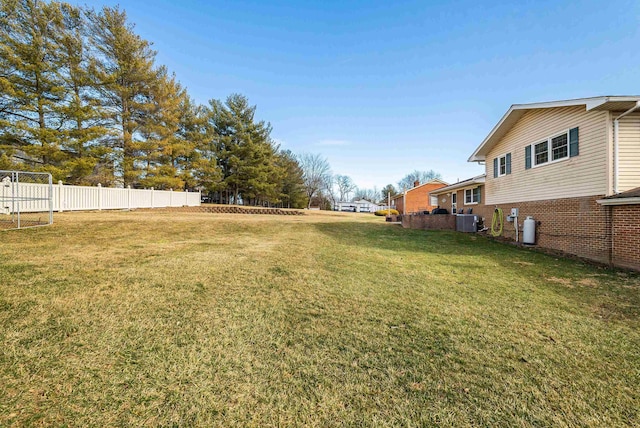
(79, 198)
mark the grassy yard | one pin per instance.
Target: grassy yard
(167, 319)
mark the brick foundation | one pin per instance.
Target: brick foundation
(578, 226)
(625, 226)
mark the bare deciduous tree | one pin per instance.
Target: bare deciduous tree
(422, 176)
(371, 195)
(346, 186)
(316, 174)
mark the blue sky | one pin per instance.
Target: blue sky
(382, 88)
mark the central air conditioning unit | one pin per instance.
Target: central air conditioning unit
(466, 223)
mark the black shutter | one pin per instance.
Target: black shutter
(573, 143)
(495, 168)
(508, 162)
(527, 157)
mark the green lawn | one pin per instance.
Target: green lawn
(169, 319)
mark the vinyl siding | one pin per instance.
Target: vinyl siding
(629, 151)
(582, 175)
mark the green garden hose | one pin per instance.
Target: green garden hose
(496, 222)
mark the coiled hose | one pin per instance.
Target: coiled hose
(497, 222)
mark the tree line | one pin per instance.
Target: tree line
(81, 97)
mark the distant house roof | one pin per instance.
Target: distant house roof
(630, 197)
(479, 179)
(516, 111)
(434, 181)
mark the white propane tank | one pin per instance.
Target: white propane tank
(529, 231)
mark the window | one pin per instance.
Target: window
(502, 165)
(553, 149)
(472, 196)
(541, 151)
(559, 147)
(434, 201)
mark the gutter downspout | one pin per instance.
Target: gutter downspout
(616, 156)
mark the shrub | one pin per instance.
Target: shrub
(387, 212)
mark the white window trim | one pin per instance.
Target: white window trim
(504, 156)
(465, 196)
(549, 153)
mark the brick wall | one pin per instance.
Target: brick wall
(398, 204)
(417, 199)
(626, 236)
(578, 226)
(429, 222)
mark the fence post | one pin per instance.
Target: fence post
(152, 197)
(129, 197)
(60, 197)
(99, 197)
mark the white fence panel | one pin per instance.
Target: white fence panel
(78, 198)
(162, 199)
(193, 199)
(114, 199)
(141, 198)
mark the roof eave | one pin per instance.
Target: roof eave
(461, 185)
(620, 201)
(479, 154)
(477, 158)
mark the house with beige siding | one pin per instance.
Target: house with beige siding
(463, 197)
(555, 161)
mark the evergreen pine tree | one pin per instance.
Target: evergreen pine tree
(292, 192)
(125, 70)
(31, 85)
(245, 152)
(88, 161)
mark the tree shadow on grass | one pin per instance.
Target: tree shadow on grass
(394, 237)
(611, 294)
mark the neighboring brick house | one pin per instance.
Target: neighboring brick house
(417, 198)
(557, 162)
(463, 197)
